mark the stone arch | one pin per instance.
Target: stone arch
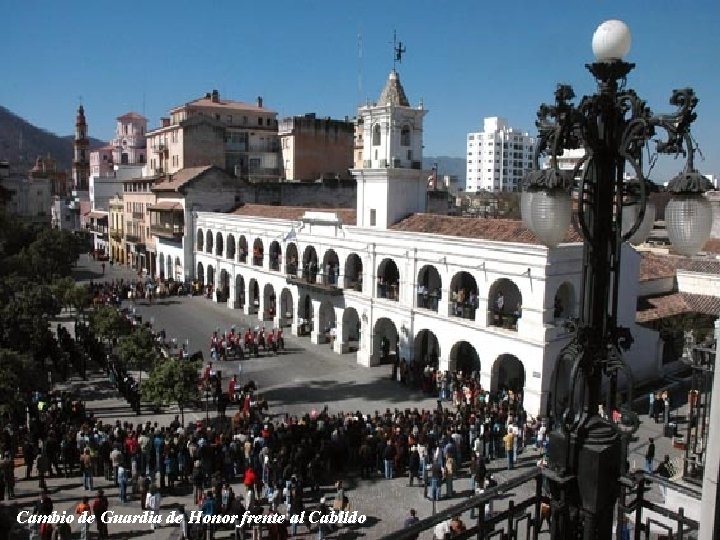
(305, 313)
(463, 296)
(275, 255)
(242, 249)
(161, 265)
(286, 307)
(564, 305)
(291, 259)
(239, 291)
(253, 295)
(310, 264)
(508, 373)
(269, 302)
(223, 291)
(504, 304)
(208, 242)
(327, 319)
(219, 244)
(330, 267)
(427, 349)
(388, 278)
(429, 287)
(353, 272)
(210, 276)
(200, 273)
(464, 357)
(258, 252)
(351, 328)
(385, 340)
(200, 238)
(230, 250)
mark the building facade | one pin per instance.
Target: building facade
(497, 157)
(129, 145)
(388, 282)
(178, 199)
(314, 148)
(139, 244)
(235, 136)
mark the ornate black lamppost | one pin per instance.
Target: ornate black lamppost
(613, 126)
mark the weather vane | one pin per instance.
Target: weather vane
(398, 49)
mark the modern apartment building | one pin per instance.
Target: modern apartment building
(238, 137)
(498, 157)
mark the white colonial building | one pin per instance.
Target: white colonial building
(464, 294)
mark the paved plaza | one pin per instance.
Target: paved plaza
(303, 378)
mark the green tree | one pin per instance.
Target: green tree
(107, 323)
(18, 372)
(139, 351)
(173, 381)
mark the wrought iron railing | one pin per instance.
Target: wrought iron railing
(523, 518)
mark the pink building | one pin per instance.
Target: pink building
(129, 142)
(101, 162)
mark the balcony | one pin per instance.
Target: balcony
(172, 231)
(116, 234)
(133, 238)
(138, 215)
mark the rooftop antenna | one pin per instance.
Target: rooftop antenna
(360, 66)
(398, 49)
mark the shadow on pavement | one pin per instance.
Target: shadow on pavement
(330, 391)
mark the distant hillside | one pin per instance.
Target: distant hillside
(447, 165)
(21, 143)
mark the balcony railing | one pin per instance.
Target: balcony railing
(116, 234)
(138, 215)
(167, 230)
(639, 516)
(134, 238)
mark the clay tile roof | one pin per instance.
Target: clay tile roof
(704, 266)
(657, 266)
(131, 116)
(393, 93)
(166, 205)
(500, 230)
(660, 307)
(347, 215)
(224, 104)
(177, 180)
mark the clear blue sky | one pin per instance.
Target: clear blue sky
(465, 59)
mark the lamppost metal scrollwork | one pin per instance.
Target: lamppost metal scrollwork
(614, 126)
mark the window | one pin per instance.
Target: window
(405, 136)
(372, 217)
(217, 117)
(229, 118)
(260, 121)
(376, 135)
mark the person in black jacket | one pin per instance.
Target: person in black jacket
(413, 464)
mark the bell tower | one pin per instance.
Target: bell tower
(391, 182)
(81, 145)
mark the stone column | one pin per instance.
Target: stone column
(444, 302)
(231, 303)
(341, 344)
(710, 502)
(316, 336)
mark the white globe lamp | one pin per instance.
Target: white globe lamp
(611, 41)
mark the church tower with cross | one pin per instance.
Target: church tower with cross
(391, 183)
(81, 160)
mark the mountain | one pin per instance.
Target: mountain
(21, 143)
(447, 165)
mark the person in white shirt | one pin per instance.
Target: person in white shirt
(152, 503)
